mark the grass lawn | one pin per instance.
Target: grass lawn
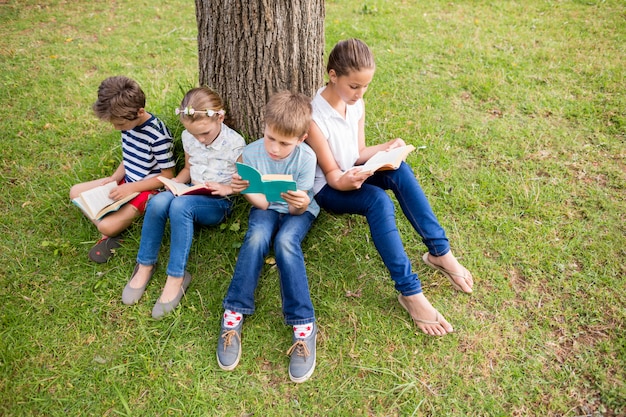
(519, 114)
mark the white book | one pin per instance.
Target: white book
(96, 203)
(387, 160)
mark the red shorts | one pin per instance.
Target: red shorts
(141, 201)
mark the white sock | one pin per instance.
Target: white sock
(232, 319)
(302, 331)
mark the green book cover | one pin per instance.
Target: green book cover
(269, 184)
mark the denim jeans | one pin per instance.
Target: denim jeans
(374, 203)
(287, 231)
(184, 212)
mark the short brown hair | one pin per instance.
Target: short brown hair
(289, 113)
(350, 55)
(119, 97)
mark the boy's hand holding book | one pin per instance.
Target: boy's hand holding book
(238, 184)
(297, 199)
(122, 191)
(98, 201)
(271, 185)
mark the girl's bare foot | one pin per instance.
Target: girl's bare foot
(460, 278)
(424, 315)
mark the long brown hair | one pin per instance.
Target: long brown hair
(350, 55)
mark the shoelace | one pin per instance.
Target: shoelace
(228, 336)
(301, 349)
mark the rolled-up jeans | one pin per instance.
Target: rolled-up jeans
(372, 201)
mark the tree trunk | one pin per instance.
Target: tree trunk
(250, 49)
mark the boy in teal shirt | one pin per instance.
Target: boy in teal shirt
(280, 151)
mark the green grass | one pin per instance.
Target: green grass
(521, 110)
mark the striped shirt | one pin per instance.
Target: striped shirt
(147, 149)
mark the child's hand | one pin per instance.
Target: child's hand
(218, 188)
(354, 178)
(297, 199)
(107, 180)
(395, 143)
(238, 185)
(121, 191)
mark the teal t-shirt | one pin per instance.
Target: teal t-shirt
(300, 164)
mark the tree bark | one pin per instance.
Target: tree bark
(248, 50)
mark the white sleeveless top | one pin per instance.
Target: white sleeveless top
(342, 134)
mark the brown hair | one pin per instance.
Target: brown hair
(201, 99)
(119, 97)
(350, 55)
(289, 113)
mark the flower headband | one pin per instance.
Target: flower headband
(190, 111)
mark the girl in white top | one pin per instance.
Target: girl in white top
(337, 136)
(211, 150)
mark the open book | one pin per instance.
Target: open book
(269, 184)
(386, 160)
(96, 203)
(178, 188)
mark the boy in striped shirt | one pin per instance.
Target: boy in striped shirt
(147, 151)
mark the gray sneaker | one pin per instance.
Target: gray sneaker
(302, 352)
(229, 347)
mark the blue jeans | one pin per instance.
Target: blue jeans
(374, 203)
(288, 232)
(184, 212)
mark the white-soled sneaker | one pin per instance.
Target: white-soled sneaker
(229, 347)
(302, 352)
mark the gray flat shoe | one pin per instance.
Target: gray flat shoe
(132, 295)
(160, 309)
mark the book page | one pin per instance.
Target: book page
(392, 158)
(175, 187)
(277, 177)
(97, 198)
(115, 205)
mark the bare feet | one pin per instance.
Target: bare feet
(171, 289)
(141, 277)
(460, 278)
(424, 315)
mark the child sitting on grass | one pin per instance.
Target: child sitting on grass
(211, 150)
(337, 136)
(280, 151)
(147, 151)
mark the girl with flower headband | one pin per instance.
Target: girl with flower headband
(211, 149)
